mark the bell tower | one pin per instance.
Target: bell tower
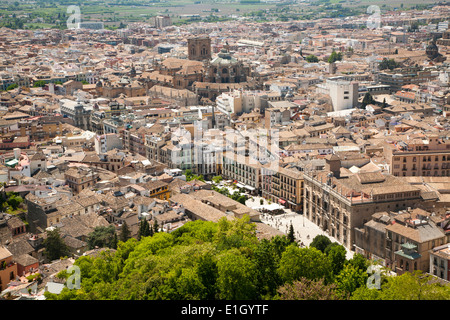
(199, 48)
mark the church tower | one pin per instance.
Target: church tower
(199, 48)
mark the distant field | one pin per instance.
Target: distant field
(391, 3)
(113, 15)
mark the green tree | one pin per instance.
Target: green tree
(390, 64)
(125, 232)
(144, 229)
(101, 237)
(359, 262)
(155, 226)
(114, 241)
(408, 286)
(217, 179)
(54, 245)
(306, 289)
(320, 242)
(236, 276)
(336, 254)
(267, 258)
(308, 263)
(12, 86)
(208, 273)
(238, 233)
(368, 99)
(14, 200)
(349, 279)
(335, 56)
(39, 83)
(291, 234)
(312, 58)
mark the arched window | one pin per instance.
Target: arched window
(224, 70)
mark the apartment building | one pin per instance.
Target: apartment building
(154, 144)
(410, 239)
(427, 156)
(283, 186)
(39, 129)
(370, 240)
(134, 140)
(343, 93)
(80, 178)
(398, 78)
(242, 169)
(177, 153)
(112, 160)
(276, 116)
(241, 101)
(162, 22)
(340, 203)
(77, 111)
(106, 142)
(157, 189)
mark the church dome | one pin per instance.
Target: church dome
(224, 58)
(432, 50)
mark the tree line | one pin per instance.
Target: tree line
(204, 260)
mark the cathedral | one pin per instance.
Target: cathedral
(201, 73)
(432, 52)
(220, 74)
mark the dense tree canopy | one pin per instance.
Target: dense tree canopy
(335, 56)
(54, 245)
(368, 99)
(226, 260)
(102, 236)
(312, 59)
(390, 64)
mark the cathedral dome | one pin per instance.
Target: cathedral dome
(224, 58)
(432, 50)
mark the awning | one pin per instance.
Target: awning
(249, 188)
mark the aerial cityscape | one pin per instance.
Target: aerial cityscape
(224, 150)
